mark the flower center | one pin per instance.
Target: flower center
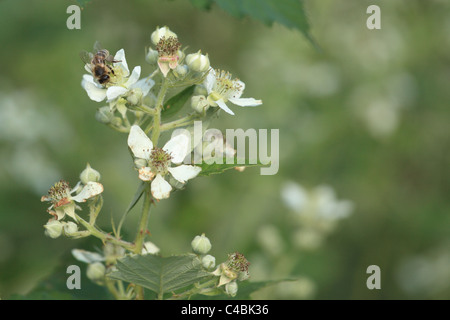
(159, 161)
(237, 262)
(225, 87)
(116, 77)
(168, 47)
(59, 194)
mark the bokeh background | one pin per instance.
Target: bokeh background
(365, 119)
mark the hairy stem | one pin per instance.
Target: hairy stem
(141, 233)
(157, 115)
(105, 237)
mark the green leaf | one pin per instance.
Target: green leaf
(290, 13)
(216, 168)
(83, 3)
(245, 289)
(133, 202)
(175, 103)
(160, 274)
(202, 4)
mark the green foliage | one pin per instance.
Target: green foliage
(83, 3)
(175, 103)
(290, 13)
(160, 274)
(216, 168)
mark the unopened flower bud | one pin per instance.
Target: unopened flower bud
(116, 121)
(135, 96)
(104, 115)
(152, 56)
(197, 62)
(70, 228)
(208, 262)
(161, 32)
(231, 288)
(201, 244)
(200, 90)
(89, 174)
(96, 271)
(53, 229)
(181, 70)
(199, 104)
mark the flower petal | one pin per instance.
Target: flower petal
(144, 84)
(120, 56)
(241, 86)
(139, 143)
(134, 77)
(164, 67)
(91, 189)
(184, 172)
(87, 256)
(224, 107)
(94, 92)
(160, 188)
(146, 174)
(245, 102)
(178, 147)
(210, 81)
(114, 92)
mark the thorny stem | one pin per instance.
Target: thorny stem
(208, 285)
(105, 237)
(141, 233)
(95, 210)
(178, 123)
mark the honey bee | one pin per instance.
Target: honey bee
(100, 63)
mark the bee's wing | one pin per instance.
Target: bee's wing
(86, 57)
(97, 46)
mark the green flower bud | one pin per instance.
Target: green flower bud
(181, 70)
(53, 229)
(89, 174)
(116, 121)
(200, 90)
(96, 271)
(70, 228)
(152, 56)
(161, 32)
(208, 262)
(199, 104)
(197, 62)
(104, 115)
(135, 96)
(231, 288)
(201, 244)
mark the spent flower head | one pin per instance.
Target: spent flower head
(235, 268)
(60, 195)
(168, 53)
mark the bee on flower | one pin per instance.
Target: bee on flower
(120, 84)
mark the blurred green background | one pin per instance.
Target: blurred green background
(368, 115)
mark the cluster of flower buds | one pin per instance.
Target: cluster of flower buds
(234, 269)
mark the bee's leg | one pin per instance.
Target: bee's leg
(111, 59)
